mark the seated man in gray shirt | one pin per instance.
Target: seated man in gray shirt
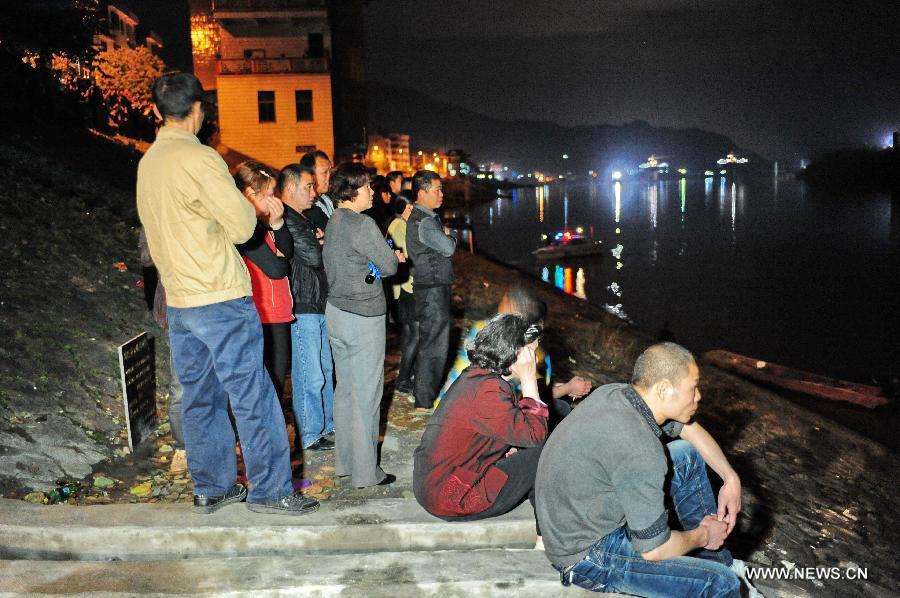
(600, 494)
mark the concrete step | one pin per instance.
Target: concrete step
(468, 573)
(162, 532)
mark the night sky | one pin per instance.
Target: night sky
(782, 77)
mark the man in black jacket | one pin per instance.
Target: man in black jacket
(311, 365)
(430, 248)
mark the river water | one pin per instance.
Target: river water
(760, 267)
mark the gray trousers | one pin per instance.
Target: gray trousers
(357, 345)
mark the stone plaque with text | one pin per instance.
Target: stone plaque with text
(137, 366)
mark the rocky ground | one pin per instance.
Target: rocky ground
(816, 493)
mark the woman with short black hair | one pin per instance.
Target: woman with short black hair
(354, 320)
(479, 453)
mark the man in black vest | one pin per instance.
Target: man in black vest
(430, 248)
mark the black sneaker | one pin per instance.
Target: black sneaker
(322, 444)
(290, 504)
(208, 504)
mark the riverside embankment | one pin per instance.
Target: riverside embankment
(815, 493)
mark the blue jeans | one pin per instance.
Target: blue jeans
(613, 565)
(217, 351)
(312, 378)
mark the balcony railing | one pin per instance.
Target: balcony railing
(273, 65)
(256, 5)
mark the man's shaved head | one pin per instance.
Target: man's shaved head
(662, 361)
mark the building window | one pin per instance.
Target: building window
(266, 102)
(303, 100)
(315, 45)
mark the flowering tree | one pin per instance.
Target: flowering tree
(125, 79)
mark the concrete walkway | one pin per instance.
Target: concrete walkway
(164, 532)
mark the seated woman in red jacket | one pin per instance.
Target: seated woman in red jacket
(480, 450)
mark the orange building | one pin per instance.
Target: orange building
(269, 64)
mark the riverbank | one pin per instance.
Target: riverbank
(815, 493)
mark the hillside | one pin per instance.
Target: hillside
(535, 144)
(67, 219)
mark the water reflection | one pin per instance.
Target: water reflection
(733, 205)
(539, 193)
(634, 216)
(617, 193)
(579, 284)
(613, 287)
(567, 280)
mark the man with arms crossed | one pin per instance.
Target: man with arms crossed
(431, 248)
(193, 215)
(600, 488)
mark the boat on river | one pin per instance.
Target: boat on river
(567, 244)
(797, 380)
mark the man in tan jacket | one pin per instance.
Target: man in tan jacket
(193, 214)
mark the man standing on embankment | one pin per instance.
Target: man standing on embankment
(194, 215)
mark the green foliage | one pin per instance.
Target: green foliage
(125, 79)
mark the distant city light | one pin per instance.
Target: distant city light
(723, 171)
(682, 170)
(565, 156)
(731, 159)
(889, 140)
(617, 175)
(708, 173)
(653, 162)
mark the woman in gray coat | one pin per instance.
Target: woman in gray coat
(355, 322)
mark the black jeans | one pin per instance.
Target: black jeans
(433, 316)
(277, 353)
(409, 339)
(521, 467)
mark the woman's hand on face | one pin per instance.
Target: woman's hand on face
(275, 212)
(525, 367)
(400, 257)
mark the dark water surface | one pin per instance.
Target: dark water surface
(760, 267)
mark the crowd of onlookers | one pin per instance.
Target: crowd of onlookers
(266, 274)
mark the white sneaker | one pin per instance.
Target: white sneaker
(740, 569)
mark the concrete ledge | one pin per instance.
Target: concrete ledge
(168, 532)
(522, 573)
